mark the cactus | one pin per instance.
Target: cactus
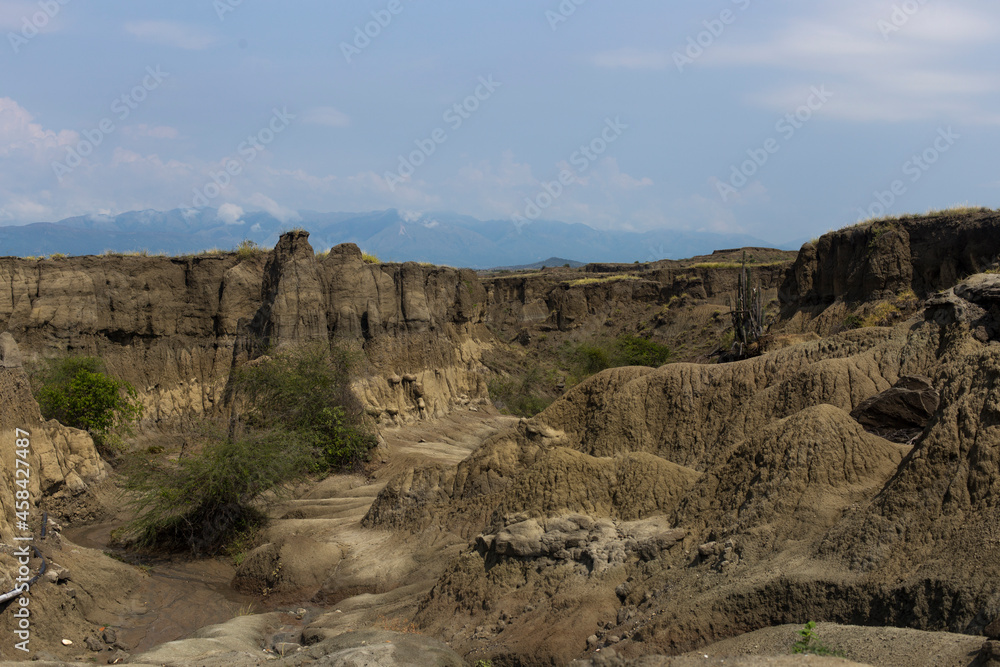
(748, 315)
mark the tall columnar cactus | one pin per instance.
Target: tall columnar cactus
(748, 314)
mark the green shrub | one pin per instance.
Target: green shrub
(809, 642)
(369, 258)
(639, 351)
(592, 358)
(77, 392)
(519, 394)
(853, 321)
(307, 391)
(293, 414)
(201, 503)
(626, 350)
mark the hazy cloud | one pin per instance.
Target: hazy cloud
(185, 36)
(327, 116)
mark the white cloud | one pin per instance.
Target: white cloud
(19, 133)
(930, 68)
(229, 214)
(326, 116)
(24, 210)
(172, 33)
(619, 180)
(282, 213)
(629, 58)
(152, 131)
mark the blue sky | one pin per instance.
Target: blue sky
(779, 119)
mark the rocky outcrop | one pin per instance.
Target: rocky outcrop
(595, 545)
(59, 462)
(419, 328)
(974, 303)
(558, 301)
(167, 325)
(874, 260)
(171, 326)
(901, 412)
(776, 490)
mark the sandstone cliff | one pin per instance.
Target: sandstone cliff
(875, 260)
(61, 461)
(170, 326)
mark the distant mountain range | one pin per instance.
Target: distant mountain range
(440, 238)
(549, 263)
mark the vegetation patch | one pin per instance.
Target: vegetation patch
(519, 394)
(605, 279)
(292, 414)
(809, 643)
(248, 249)
(626, 350)
(369, 258)
(78, 392)
(734, 265)
(202, 502)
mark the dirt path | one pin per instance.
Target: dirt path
(177, 598)
(381, 575)
(365, 577)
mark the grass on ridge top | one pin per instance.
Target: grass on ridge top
(606, 279)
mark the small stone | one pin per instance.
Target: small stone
(591, 641)
(614, 639)
(284, 648)
(110, 636)
(67, 642)
(118, 657)
(93, 643)
(993, 629)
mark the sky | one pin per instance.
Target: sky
(777, 119)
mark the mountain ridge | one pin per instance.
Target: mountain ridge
(439, 238)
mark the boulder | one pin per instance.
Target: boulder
(10, 354)
(974, 302)
(900, 412)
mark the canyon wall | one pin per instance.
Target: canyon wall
(875, 260)
(170, 325)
